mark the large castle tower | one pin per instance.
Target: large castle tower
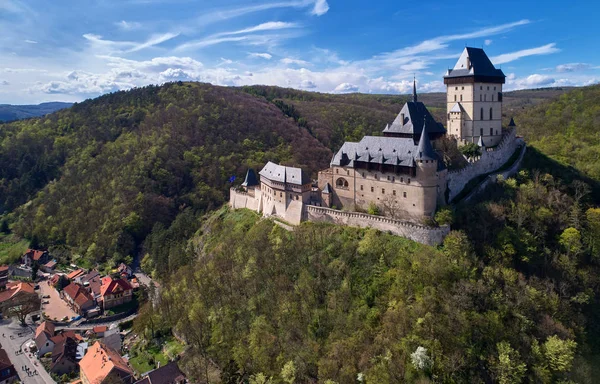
(474, 98)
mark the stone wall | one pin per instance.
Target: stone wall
(419, 233)
(490, 160)
(240, 199)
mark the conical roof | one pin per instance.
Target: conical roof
(512, 123)
(425, 150)
(480, 142)
(327, 188)
(251, 179)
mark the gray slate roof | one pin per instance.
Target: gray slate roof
(480, 65)
(425, 150)
(283, 174)
(457, 108)
(415, 113)
(327, 188)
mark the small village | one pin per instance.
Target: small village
(67, 324)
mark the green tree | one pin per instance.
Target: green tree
(288, 372)
(4, 226)
(593, 230)
(34, 270)
(508, 367)
(559, 353)
(570, 239)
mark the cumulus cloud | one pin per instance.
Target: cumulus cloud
(512, 56)
(346, 88)
(265, 56)
(321, 7)
(573, 67)
(307, 84)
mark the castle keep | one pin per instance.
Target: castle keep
(399, 175)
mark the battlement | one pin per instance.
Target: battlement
(416, 232)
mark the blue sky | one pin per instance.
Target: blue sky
(72, 50)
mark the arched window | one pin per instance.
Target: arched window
(481, 117)
(341, 183)
(491, 113)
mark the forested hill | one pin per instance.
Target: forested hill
(98, 178)
(16, 112)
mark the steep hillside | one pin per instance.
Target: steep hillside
(16, 112)
(566, 128)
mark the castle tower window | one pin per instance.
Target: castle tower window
(491, 113)
(480, 97)
(481, 87)
(382, 191)
(491, 131)
(454, 97)
(372, 189)
(463, 88)
(488, 88)
(404, 194)
(394, 192)
(494, 88)
(408, 181)
(481, 114)
(456, 88)
(361, 187)
(460, 97)
(363, 175)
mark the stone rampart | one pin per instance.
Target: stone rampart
(419, 233)
(490, 160)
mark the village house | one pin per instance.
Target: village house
(64, 356)
(18, 295)
(49, 266)
(167, 374)
(102, 364)
(34, 255)
(75, 274)
(8, 374)
(125, 271)
(78, 298)
(43, 338)
(115, 292)
(92, 282)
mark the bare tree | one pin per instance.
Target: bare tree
(21, 305)
(391, 207)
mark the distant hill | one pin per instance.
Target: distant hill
(10, 112)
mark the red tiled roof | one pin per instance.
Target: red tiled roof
(50, 264)
(114, 286)
(79, 295)
(14, 288)
(3, 268)
(35, 254)
(100, 329)
(99, 361)
(45, 327)
(75, 273)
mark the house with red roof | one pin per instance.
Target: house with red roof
(75, 274)
(167, 374)
(102, 364)
(78, 298)
(8, 373)
(35, 255)
(64, 356)
(43, 338)
(115, 292)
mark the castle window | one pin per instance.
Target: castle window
(337, 171)
(394, 192)
(393, 178)
(491, 113)
(491, 131)
(404, 194)
(361, 187)
(456, 88)
(347, 172)
(463, 88)
(481, 114)
(376, 177)
(480, 131)
(408, 181)
(402, 179)
(460, 97)
(494, 88)
(454, 97)
(484, 97)
(372, 189)
(341, 183)
(297, 197)
(363, 175)
(280, 194)
(382, 191)
(388, 178)
(480, 97)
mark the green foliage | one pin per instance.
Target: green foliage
(373, 209)
(444, 216)
(559, 353)
(470, 150)
(509, 369)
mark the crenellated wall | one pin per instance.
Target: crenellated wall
(491, 159)
(419, 233)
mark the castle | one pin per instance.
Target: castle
(400, 175)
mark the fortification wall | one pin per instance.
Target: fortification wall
(239, 199)
(490, 160)
(419, 233)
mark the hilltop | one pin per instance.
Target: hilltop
(17, 112)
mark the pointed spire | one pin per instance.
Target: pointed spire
(414, 89)
(251, 179)
(512, 123)
(480, 142)
(425, 150)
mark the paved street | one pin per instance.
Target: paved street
(8, 328)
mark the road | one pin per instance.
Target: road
(8, 328)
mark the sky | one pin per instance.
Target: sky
(71, 50)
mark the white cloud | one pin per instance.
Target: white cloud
(512, 56)
(321, 8)
(4, 82)
(307, 84)
(128, 25)
(573, 67)
(346, 88)
(31, 41)
(126, 46)
(268, 26)
(488, 42)
(265, 56)
(290, 61)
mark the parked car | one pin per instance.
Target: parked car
(46, 297)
